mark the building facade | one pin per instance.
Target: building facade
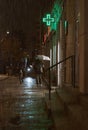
(67, 44)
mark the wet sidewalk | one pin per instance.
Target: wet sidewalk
(23, 106)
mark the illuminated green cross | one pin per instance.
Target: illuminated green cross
(48, 19)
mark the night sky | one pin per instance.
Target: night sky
(21, 16)
(17, 14)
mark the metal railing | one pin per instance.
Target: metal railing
(72, 58)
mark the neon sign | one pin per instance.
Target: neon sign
(48, 19)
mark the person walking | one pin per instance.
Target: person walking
(39, 70)
(21, 75)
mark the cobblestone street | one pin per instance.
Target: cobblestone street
(23, 106)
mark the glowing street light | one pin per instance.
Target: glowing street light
(7, 32)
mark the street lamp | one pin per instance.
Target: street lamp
(7, 32)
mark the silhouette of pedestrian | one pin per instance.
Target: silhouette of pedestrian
(39, 69)
(21, 75)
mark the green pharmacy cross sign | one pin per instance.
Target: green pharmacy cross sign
(48, 20)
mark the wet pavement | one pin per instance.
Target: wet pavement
(26, 106)
(23, 106)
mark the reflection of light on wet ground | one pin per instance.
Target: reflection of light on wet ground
(23, 107)
(29, 82)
